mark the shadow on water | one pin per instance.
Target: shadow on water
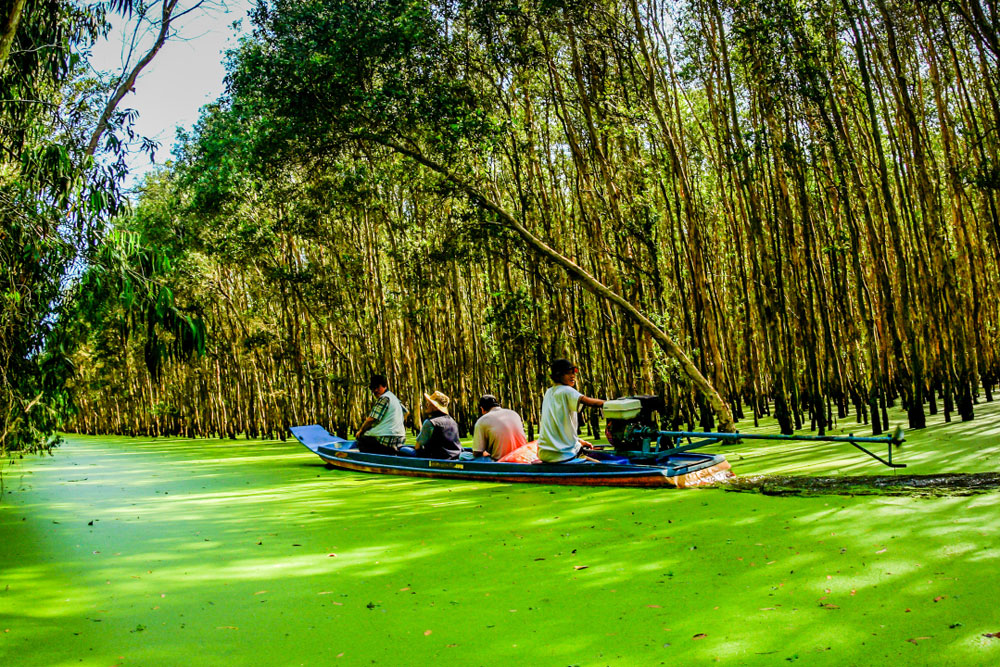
(190, 552)
(956, 484)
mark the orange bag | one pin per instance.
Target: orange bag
(526, 453)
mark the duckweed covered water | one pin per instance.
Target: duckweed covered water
(176, 552)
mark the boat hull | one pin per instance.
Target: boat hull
(682, 470)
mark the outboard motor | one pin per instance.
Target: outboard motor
(625, 415)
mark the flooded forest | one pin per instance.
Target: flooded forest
(750, 207)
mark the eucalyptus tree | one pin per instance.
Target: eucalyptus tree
(744, 174)
(409, 78)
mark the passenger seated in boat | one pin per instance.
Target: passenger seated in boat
(382, 431)
(498, 431)
(557, 429)
(438, 437)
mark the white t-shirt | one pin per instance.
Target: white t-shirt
(557, 439)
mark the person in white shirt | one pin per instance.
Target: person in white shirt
(383, 431)
(557, 441)
(498, 431)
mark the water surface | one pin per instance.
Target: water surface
(122, 551)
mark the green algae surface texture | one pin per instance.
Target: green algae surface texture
(122, 551)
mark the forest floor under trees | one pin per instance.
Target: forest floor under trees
(167, 551)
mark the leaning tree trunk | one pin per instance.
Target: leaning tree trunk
(589, 282)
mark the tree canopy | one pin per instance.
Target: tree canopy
(747, 206)
(63, 147)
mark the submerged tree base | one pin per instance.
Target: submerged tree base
(957, 484)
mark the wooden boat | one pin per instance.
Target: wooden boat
(681, 470)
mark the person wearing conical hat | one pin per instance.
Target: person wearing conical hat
(438, 437)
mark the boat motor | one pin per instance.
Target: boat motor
(632, 431)
(631, 424)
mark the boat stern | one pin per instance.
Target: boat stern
(720, 472)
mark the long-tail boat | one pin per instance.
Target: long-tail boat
(643, 456)
(683, 470)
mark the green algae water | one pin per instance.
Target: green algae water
(121, 551)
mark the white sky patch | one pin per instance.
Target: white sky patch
(185, 75)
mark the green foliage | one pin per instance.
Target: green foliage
(40, 180)
(128, 288)
(316, 75)
(712, 161)
(55, 200)
(509, 320)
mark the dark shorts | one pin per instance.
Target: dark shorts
(437, 453)
(370, 445)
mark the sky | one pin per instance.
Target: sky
(186, 74)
